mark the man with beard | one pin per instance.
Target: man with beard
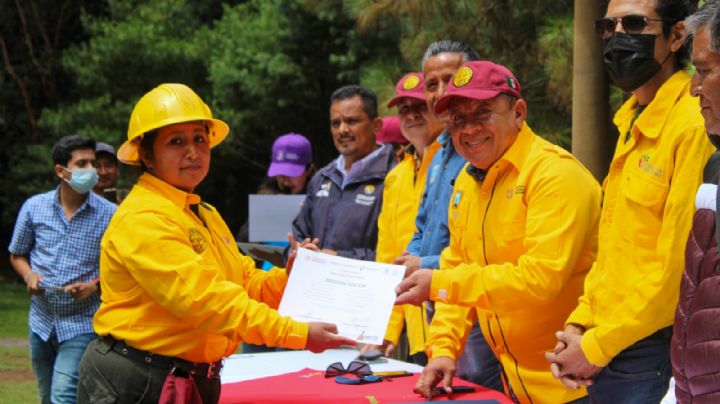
(617, 339)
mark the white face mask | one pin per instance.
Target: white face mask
(82, 180)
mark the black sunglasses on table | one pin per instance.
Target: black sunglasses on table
(632, 24)
(355, 367)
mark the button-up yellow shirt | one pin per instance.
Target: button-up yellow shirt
(632, 290)
(402, 195)
(175, 284)
(521, 243)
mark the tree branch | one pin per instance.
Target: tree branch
(34, 134)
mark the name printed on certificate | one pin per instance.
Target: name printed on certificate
(357, 296)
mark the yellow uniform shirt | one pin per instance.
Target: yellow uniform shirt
(521, 243)
(396, 225)
(632, 290)
(175, 284)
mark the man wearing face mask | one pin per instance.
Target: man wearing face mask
(617, 338)
(55, 248)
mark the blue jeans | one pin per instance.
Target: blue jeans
(56, 366)
(639, 374)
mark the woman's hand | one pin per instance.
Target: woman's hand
(322, 336)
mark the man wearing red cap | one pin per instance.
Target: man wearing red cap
(390, 134)
(404, 186)
(523, 222)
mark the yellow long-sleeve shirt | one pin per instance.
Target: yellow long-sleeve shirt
(632, 290)
(401, 200)
(175, 284)
(521, 243)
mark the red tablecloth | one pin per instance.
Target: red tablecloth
(310, 386)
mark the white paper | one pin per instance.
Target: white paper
(357, 296)
(270, 217)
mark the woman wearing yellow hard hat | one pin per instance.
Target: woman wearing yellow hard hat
(177, 295)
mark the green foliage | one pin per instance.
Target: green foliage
(267, 67)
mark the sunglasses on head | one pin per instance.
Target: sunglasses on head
(632, 24)
(357, 368)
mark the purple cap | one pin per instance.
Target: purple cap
(291, 155)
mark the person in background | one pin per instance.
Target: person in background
(344, 198)
(289, 172)
(404, 187)
(292, 166)
(442, 58)
(107, 169)
(523, 222)
(617, 339)
(694, 349)
(55, 248)
(390, 133)
(178, 296)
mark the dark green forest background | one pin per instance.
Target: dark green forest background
(267, 67)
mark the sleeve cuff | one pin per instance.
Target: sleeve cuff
(430, 261)
(297, 336)
(440, 286)
(438, 350)
(581, 316)
(592, 349)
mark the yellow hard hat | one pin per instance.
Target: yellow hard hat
(165, 105)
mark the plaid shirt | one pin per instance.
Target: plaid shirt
(62, 252)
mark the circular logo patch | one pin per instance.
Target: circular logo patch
(463, 76)
(197, 240)
(369, 189)
(411, 82)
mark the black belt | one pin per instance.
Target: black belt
(209, 370)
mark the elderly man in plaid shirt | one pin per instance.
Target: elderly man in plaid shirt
(55, 248)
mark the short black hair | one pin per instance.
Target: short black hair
(449, 46)
(63, 148)
(671, 12)
(369, 99)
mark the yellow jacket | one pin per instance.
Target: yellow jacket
(396, 226)
(173, 286)
(632, 290)
(520, 245)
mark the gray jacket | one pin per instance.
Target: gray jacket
(345, 219)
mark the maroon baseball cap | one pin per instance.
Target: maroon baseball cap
(479, 80)
(410, 85)
(390, 131)
(291, 153)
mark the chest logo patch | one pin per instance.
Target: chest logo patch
(197, 241)
(645, 165)
(369, 189)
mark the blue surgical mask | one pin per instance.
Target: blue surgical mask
(82, 180)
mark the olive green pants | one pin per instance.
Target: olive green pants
(109, 377)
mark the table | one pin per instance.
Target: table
(298, 377)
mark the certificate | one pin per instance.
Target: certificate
(357, 296)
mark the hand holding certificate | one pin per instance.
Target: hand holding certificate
(357, 296)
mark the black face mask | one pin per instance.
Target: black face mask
(630, 59)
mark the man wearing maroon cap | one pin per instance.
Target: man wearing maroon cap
(390, 134)
(523, 221)
(404, 186)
